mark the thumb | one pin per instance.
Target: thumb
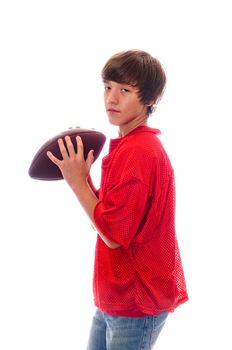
(90, 159)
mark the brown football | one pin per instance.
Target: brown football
(42, 168)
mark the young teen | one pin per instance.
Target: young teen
(138, 274)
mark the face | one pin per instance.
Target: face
(123, 106)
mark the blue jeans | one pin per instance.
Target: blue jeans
(124, 333)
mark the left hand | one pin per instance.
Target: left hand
(74, 168)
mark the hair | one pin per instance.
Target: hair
(139, 69)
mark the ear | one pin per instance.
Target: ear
(151, 107)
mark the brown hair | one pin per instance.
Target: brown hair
(140, 69)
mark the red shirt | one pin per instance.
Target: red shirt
(136, 209)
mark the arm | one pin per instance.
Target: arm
(75, 171)
(88, 201)
(92, 187)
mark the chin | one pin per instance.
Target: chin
(114, 122)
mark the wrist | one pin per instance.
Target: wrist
(80, 186)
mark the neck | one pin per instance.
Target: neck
(124, 131)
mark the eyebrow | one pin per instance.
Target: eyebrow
(119, 83)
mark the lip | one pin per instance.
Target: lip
(112, 110)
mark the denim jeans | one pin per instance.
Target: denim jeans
(124, 333)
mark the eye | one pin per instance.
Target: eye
(125, 90)
(107, 87)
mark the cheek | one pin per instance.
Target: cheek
(104, 99)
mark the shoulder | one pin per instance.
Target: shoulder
(142, 145)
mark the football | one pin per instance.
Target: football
(42, 168)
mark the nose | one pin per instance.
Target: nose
(111, 96)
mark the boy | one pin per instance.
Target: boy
(138, 275)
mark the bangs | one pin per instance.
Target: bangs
(122, 71)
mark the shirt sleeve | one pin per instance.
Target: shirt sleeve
(121, 211)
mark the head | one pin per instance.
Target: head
(139, 69)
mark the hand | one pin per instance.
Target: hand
(77, 127)
(74, 127)
(73, 166)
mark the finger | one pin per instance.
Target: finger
(70, 146)
(63, 149)
(53, 158)
(74, 127)
(90, 159)
(80, 147)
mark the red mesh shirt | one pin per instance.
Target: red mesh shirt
(136, 209)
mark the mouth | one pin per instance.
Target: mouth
(112, 110)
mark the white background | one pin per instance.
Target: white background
(51, 57)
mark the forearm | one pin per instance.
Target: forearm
(88, 201)
(92, 186)
(86, 198)
(75, 170)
